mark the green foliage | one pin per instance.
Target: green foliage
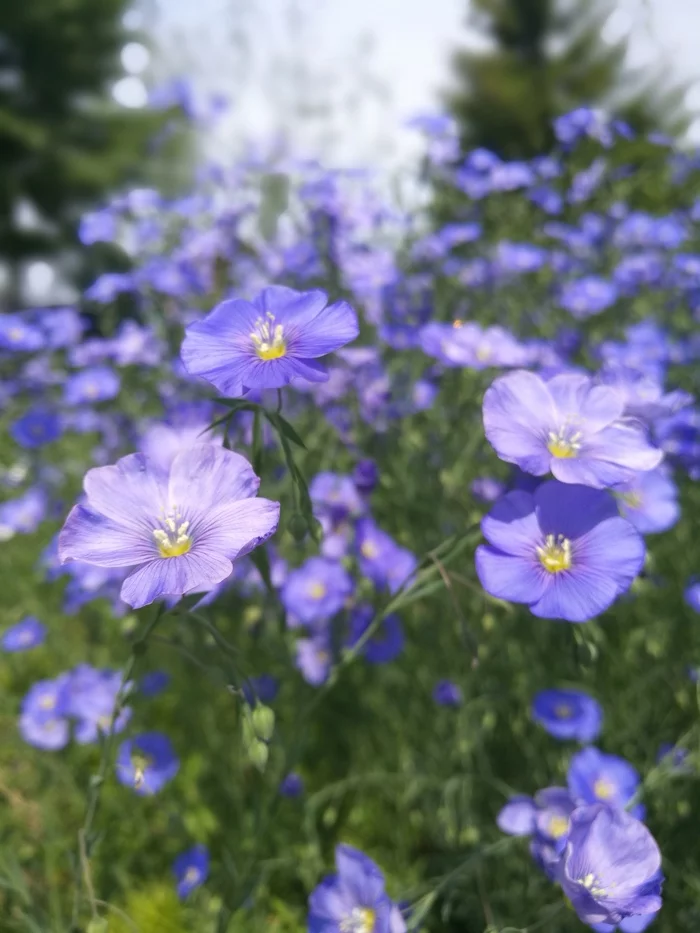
(546, 58)
(64, 142)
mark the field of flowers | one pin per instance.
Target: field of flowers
(349, 549)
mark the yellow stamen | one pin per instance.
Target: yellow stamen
(369, 550)
(317, 591)
(563, 711)
(603, 789)
(360, 920)
(558, 826)
(564, 446)
(268, 338)
(555, 555)
(172, 540)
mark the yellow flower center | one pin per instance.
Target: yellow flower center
(457, 324)
(632, 499)
(483, 353)
(15, 334)
(140, 763)
(563, 711)
(172, 538)
(603, 789)
(47, 702)
(558, 826)
(564, 446)
(360, 920)
(555, 554)
(192, 875)
(317, 591)
(369, 550)
(268, 338)
(593, 885)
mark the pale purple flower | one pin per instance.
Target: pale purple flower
(568, 425)
(179, 531)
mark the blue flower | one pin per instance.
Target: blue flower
(36, 427)
(568, 714)
(587, 296)
(191, 869)
(563, 550)
(611, 866)
(594, 776)
(29, 633)
(178, 532)
(269, 342)
(381, 559)
(292, 785)
(649, 501)
(97, 384)
(447, 693)
(317, 590)
(146, 763)
(568, 425)
(23, 514)
(353, 900)
(17, 336)
(386, 643)
(153, 683)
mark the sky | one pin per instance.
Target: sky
(402, 69)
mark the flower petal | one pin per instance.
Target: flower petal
(518, 415)
(197, 571)
(207, 476)
(516, 579)
(90, 537)
(316, 333)
(128, 492)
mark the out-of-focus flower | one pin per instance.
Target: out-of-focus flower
(29, 633)
(191, 869)
(317, 590)
(568, 714)
(146, 762)
(594, 776)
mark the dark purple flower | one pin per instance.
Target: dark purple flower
(446, 693)
(292, 785)
(563, 551)
(365, 475)
(386, 644)
(29, 633)
(568, 714)
(180, 532)
(153, 683)
(269, 342)
(568, 425)
(146, 763)
(611, 866)
(191, 869)
(36, 427)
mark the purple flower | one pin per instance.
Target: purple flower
(596, 777)
(517, 817)
(23, 514)
(487, 489)
(97, 384)
(179, 532)
(587, 296)
(649, 501)
(50, 735)
(90, 697)
(381, 559)
(317, 590)
(269, 342)
(568, 714)
(191, 869)
(17, 336)
(292, 785)
(365, 476)
(563, 551)
(388, 640)
(568, 425)
(629, 925)
(153, 683)
(314, 657)
(353, 900)
(29, 633)
(36, 427)
(692, 595)
(446, 693)
(146, 763)
(611, 866)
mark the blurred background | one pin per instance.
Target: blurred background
(100, 95)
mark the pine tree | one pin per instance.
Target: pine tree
(545, 58)
(64, 142)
